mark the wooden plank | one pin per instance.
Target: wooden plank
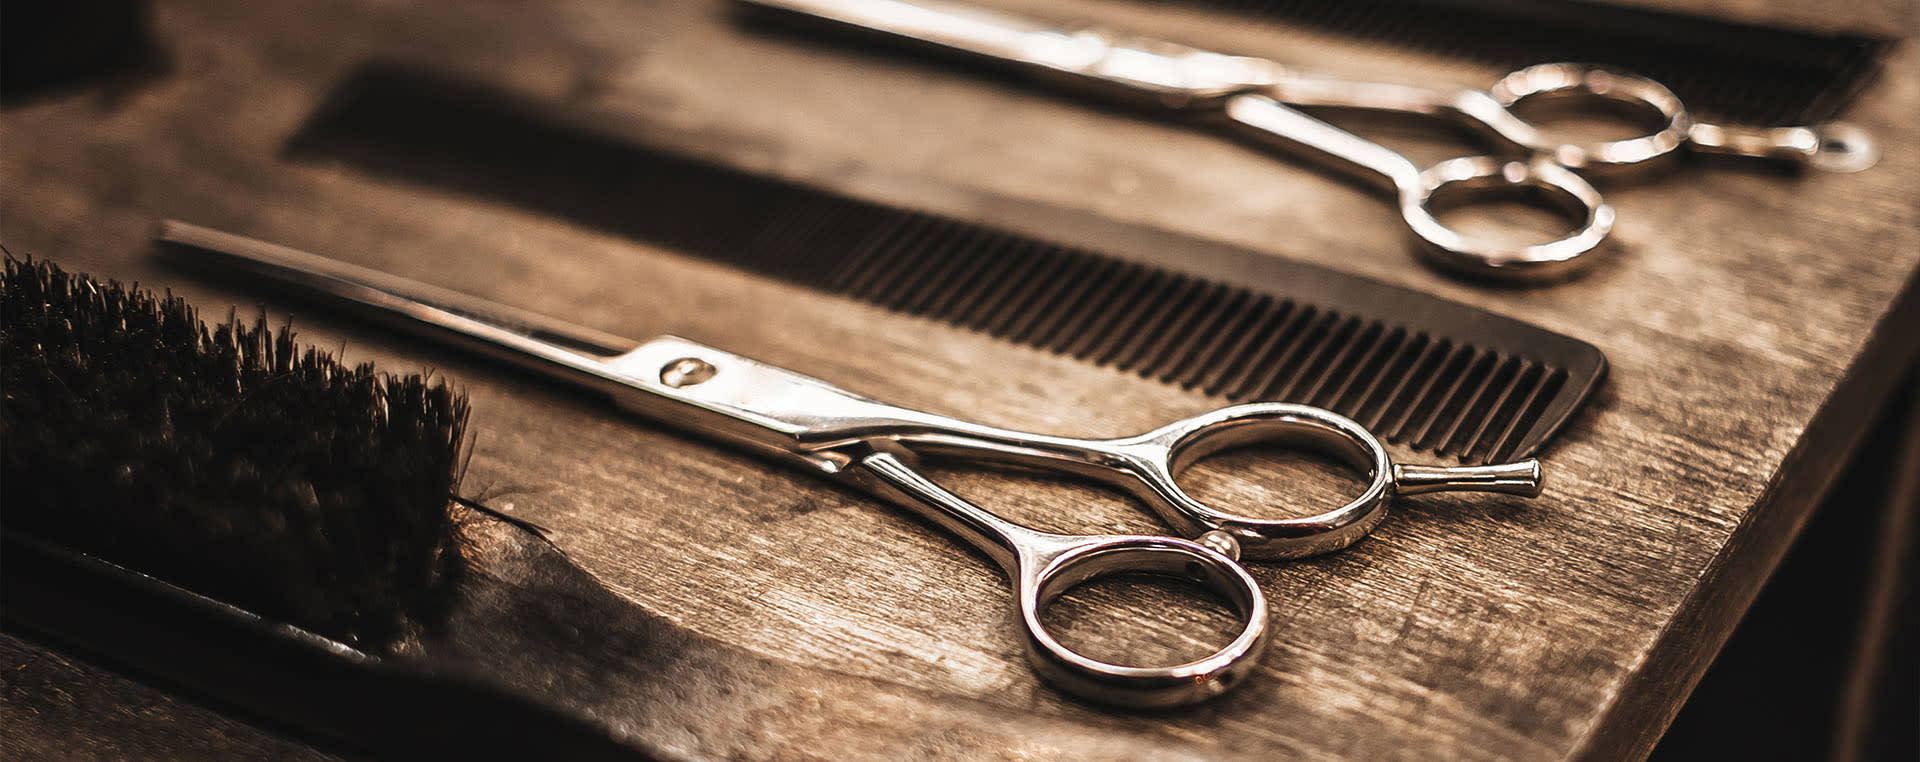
(1732, 308)
(55, 706)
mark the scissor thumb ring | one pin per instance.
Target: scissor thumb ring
(1171, 449)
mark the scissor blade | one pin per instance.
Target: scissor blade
(1138, 69)
(545, 345)
(954, 26)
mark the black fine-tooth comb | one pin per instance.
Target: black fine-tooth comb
(1420, 371)
(1743, 73)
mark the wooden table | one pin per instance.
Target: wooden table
(1754, 323)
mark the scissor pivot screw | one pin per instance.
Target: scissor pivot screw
(686, 371)
(1220, 542)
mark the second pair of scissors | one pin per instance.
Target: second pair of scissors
(1255, 94)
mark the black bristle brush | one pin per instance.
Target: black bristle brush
(227, 460)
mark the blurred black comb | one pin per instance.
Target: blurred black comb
(1420, 371)
(1724, 70)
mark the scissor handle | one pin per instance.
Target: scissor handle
(1158, 457)
(1043, 565)
(1049, 572)
(1832, 147)
(1265, 118)
(1474, 178)
(1598, 85)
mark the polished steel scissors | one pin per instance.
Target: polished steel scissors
(1256, 95)
(813, 426)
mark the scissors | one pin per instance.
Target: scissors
(815, 427)
(1255, 95)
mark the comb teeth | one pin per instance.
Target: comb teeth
(1231, 323)
(1226, 341)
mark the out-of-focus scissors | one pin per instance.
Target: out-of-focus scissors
(1255, 93)
(810, 425)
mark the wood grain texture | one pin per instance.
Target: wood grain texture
(1732, 306)
(55, 706)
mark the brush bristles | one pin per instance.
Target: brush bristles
(229, 461)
